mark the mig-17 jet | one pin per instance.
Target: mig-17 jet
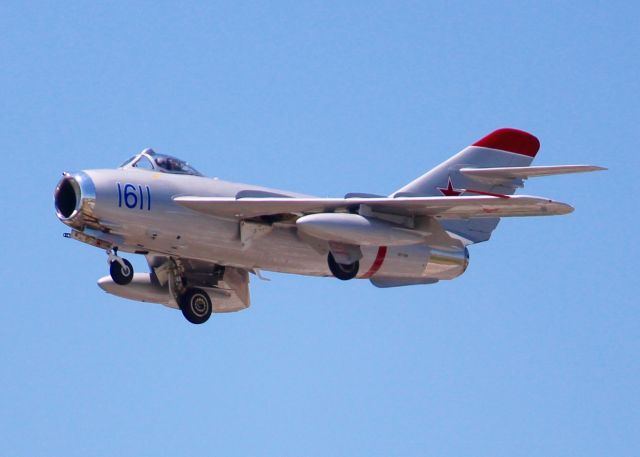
(202, 237)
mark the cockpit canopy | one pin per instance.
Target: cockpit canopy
(150, 160)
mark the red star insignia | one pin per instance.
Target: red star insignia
(450, 191)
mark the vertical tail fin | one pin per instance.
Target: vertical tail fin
(502, 148)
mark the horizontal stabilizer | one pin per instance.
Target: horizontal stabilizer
(439, 207)
(501, 174)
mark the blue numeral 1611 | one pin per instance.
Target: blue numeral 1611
(134, 196)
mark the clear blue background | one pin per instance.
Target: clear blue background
(534, 351)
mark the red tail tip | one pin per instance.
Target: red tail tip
(511, 140)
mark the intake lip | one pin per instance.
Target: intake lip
(74, 195)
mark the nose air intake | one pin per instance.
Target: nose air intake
(67, 197)
(74, 195)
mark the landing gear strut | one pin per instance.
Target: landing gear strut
(195, 305)
(120, 269)
(194, 302)
(343, 271)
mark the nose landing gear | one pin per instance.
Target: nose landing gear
(120, 269)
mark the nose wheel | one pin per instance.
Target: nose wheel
(120, 269)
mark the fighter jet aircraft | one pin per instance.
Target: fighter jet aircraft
(202, 237)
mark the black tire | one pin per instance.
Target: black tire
(195, 305)
(343, 271)
(118, 274)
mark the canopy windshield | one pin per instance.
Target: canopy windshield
(150, 160)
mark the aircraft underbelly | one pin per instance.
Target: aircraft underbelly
(218, 241)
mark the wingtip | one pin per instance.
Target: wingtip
(591, 168)
(562, 208)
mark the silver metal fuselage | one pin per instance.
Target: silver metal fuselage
(134, 210)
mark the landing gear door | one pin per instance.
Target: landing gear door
(232, 293)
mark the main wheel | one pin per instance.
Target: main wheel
(195, 305)
(121, 274)
(343, 271)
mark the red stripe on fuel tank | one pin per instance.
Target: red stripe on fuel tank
(382, 252)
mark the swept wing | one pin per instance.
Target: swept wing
(440, 207)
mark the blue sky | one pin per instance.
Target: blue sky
(534, 351)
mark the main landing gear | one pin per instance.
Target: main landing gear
(120, 269)
(194, 302)
(341, 270)
(195, 305)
